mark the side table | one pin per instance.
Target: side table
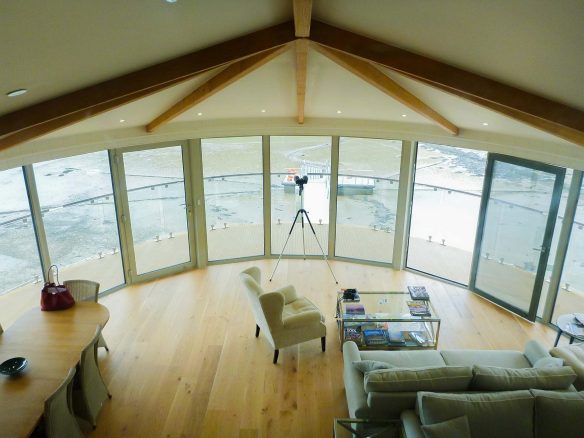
(569, 325)
(362, 428)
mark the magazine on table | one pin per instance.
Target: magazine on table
(418, 293)
(419, 308)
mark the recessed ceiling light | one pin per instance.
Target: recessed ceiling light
(199, 114)
(485, 124)
(404, 115)
(122, 120)
(263, 111)
(339, 111)
(17, 92)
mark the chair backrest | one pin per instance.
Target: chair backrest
(1, 329)
(59, 418)
(92, 385)
(83, 290)
(266, 306)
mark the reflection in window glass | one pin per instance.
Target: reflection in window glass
(367, 198)
(156, 196)
(571, 294)
(232, 172)
(300, 155)
(79, 216)
(445, 210)
(19, 260)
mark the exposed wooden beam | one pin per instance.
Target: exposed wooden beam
(301, 69)
(144, 79)
(226, 77)
(563, 132)
(35, 131)
(382, 82)
(463, 82)
(302, 15)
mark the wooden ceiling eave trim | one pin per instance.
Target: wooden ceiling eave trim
(447, 76)
(301, 74)
(140, 80)
(562, 132)
(302, 17)
(36, 131)
(223, 79)
(382, 82)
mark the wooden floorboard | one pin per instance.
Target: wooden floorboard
(184, 361)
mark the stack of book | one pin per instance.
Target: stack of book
(353, 334)
(396, 337)
(375, 337)
(419, 308)
(418, 293)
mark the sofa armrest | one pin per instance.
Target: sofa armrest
(289, 293)
(301, 319)
(412, 425)
(534, 351)
(353, 379)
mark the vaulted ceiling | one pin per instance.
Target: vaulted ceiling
(56, 48)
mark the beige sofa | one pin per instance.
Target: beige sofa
(573, 355)
(512, 414)
(386, 394)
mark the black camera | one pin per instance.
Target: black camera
(300, 182)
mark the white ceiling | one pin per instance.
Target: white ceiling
(59, 46)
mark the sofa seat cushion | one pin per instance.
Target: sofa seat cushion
(499, 414)
(510, 379)
(494, 358)
(440, 378)
(404, 358)
(558, 413)
(455, 428)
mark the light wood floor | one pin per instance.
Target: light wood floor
(184, 361)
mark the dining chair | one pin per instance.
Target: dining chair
(286, 318)
(85, 290)
(90, 392)
(59, 418)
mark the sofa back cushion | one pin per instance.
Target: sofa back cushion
(511, 379)
(493, 358)
(558, 413)
(501, 414)
(418, 379)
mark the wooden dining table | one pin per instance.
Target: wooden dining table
(52, 343)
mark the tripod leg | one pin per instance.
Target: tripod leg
(320, 246)
(303, 244)
(287, 239)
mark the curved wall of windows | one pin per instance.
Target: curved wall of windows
(151, 197)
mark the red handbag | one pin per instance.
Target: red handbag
(55, 296)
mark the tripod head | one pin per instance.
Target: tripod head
(300, 183)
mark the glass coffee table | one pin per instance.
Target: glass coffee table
(383, 321)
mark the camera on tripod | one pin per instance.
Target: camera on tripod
(300, 183)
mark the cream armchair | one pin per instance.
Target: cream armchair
(285, 318)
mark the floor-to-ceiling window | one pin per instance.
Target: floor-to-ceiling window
(19, 258)
(155, 186)
(367, 192)
(445, 210)
(292, 156)
(232, 172)
(79, 217)
(570, 296)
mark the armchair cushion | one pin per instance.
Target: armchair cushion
(301, 319)
(289, 293)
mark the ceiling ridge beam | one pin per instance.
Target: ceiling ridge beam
(462, 81)
(223, 79)
(301, 74)
(373, 76)
(302, 17)
(166, 72)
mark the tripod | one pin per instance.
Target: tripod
(302, 213)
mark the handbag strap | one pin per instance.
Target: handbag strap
(50, 271)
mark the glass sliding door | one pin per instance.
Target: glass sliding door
(367, 191)
(79, 215)
(20, 264)
(232, 173)
(155, 185)
(292, 156)
(518, 213)
(445, 210)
